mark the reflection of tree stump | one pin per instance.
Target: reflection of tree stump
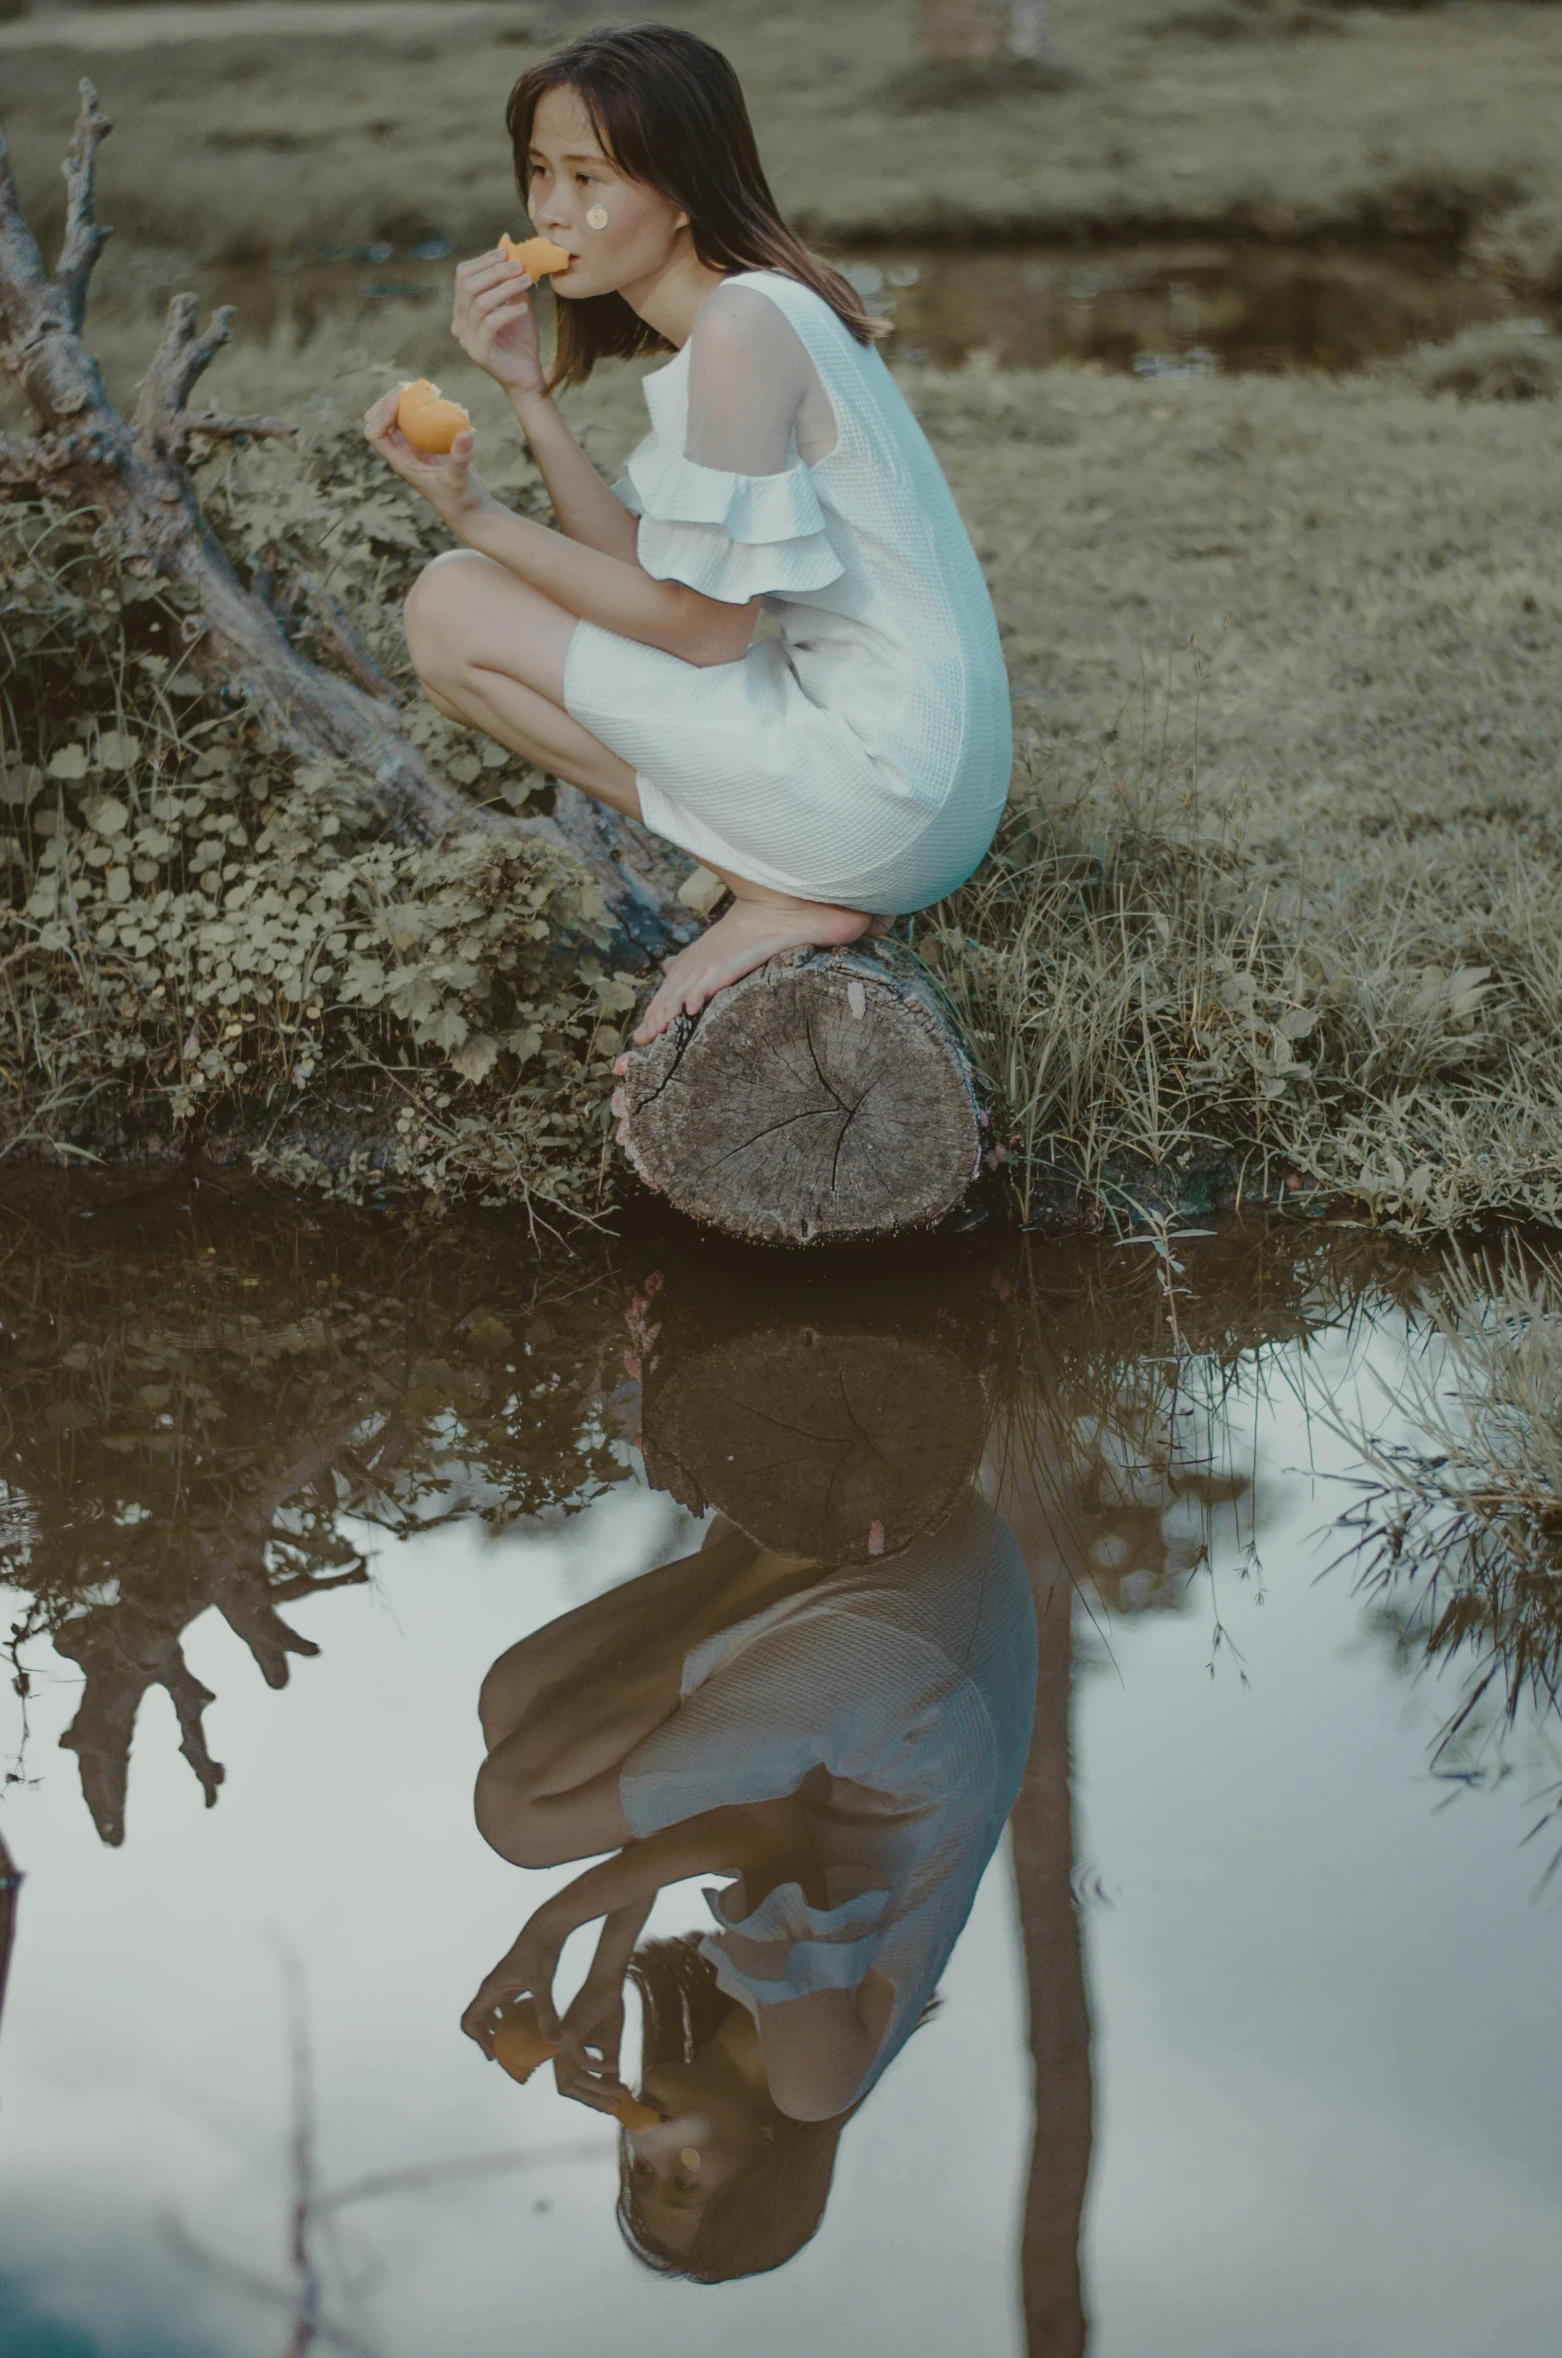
(832, 1446)
(823, 1098)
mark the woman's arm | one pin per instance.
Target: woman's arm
(587, 510)
(495, 325)
(588, 582)
(818, 2049)
(586, 2065)
(608, 590)
(737, 1840)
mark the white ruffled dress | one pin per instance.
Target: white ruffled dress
(860, 755)
(896, 1700)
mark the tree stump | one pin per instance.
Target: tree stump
(823, 1099)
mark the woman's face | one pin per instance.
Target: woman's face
(714, 2132)
(621, 233)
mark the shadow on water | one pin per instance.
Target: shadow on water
(923, 1484)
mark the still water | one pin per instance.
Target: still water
(1199, 307)
(973, 1623)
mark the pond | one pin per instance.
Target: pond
(1246, 2027)
(1164, 309)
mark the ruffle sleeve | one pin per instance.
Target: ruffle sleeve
(730, 536)
(784, 1948)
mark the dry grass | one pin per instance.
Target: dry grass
(1420, 124)
(1159, 1004)
(1294, 914)
(1468, 1517)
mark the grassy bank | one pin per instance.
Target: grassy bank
(1249, 117)
(1279, 906)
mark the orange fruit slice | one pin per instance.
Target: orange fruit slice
(520, 2043)
(429, 422)
(539, 257)
(631, 2114)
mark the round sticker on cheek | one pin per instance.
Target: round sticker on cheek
(597, 217)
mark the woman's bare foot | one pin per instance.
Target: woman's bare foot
(749, 933)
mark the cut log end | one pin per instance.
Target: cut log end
(826, 1098)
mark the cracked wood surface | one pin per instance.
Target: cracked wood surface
(824, 1098)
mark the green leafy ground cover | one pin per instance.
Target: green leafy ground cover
(195, 943)
(1277, 911)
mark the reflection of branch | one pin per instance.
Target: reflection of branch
(420, 2176)
(312, 2208)
(261, 2288)
(1042, 1834)
(10, 1884)
(306, 2277)
(127, 1647)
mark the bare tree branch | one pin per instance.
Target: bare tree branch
(84, 240)
(181, 359)
(21, 264)
(334, 631)
(226, 429)
(22, 464)
(87, 456)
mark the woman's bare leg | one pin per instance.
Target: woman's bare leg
(601, 1636)
(490, 651)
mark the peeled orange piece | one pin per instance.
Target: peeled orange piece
(429, 422)
(631, 2114)
(520, 2043)
(537, 256)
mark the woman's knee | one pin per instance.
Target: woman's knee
(513, 1818)
(427, 618)
(509, 1690)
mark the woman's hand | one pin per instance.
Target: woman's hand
(448, 481)
(494, 323)
(586, 2065)
(526, 1970)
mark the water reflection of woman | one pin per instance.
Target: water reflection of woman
(844, 1743)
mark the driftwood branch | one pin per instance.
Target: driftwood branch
(183, 356)
(225, 429)
(24, 464)
(135, 473)
(84, 240)
(335, 631)
(21, 264)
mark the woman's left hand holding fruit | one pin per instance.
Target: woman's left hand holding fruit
(447, 479)
(525, 1970)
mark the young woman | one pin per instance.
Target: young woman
(844, 1742)
(839, 772)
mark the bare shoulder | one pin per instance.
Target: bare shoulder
(819, 2048)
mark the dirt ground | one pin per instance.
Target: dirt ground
(1239, 117)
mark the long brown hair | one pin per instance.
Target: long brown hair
(669, 111)
(774, 2208)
